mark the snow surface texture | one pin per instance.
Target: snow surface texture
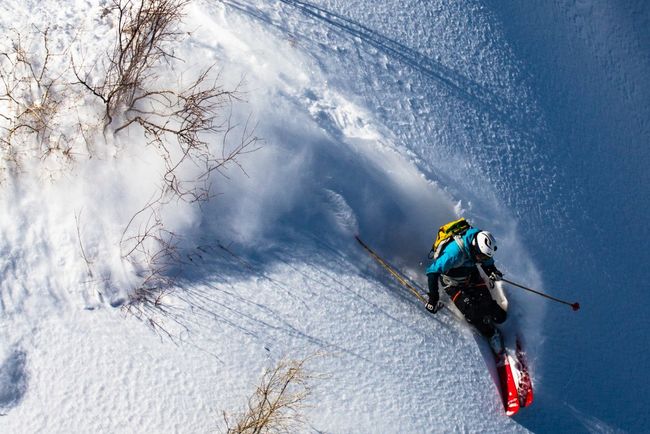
(378, 118)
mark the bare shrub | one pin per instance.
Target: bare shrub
(31, 98)
(133, 90)
(180, 122)
(188, 122)
(88, 261)
(153, 252)
(277, 404)
(181, 125)
(144, 32)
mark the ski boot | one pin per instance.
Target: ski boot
(496, 343)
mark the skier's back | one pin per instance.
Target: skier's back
(455, 269)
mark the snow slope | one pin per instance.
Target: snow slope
(377, 118)
(589, 63)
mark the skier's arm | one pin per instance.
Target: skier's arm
(434, 296)
(434, 304)
(491, 270)
(448, 260)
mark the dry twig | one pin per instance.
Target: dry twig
(277, 404)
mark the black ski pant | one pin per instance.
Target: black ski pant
(478, 307)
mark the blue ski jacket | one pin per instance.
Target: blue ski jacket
(454, 257)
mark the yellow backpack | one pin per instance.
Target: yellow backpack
(446, 233)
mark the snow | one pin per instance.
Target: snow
(377, 118)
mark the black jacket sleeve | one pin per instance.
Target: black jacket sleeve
(489, 269)
(433, 288)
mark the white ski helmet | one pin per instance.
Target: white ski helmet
(485, 244)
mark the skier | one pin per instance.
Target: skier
(456, 269)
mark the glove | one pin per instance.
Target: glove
(433, 308)
(495, 276)
(493, 273)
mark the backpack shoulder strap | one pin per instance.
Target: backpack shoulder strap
(460, 242)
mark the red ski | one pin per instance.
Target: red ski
(525, 382)
(509, 392)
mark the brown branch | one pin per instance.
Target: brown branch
(276, 405)
(77, 218)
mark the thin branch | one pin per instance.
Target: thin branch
(77, 218)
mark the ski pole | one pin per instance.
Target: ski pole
(574, 306)
(391, 270)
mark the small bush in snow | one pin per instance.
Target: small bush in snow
(277, 404)
(31, 102)
(138, 86)
(92, 104)
(144, 33)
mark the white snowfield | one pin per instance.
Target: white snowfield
(369, 112)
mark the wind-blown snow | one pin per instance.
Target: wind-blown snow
(378, 119)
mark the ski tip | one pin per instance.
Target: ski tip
(508, 388)
(511, 413)
(512, 407)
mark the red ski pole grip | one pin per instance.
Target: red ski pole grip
(575, 306)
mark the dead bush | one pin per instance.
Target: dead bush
(188, 122)
(180, 121)
(132, 94)
(31, 99)
(278, 402)
(182, 126)
(144, 33)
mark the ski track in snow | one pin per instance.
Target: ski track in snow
(358, 116)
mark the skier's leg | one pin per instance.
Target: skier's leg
(483, 313)
(470, 307)
(496, 341)
(494, 312)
